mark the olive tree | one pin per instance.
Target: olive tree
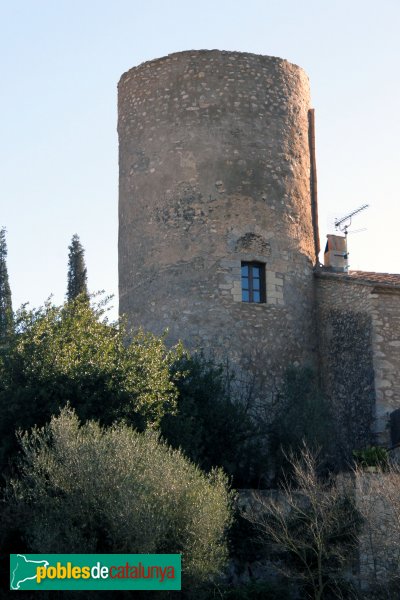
(84, 488)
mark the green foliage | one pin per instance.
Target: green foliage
(212, 426)
(83, 488)
(77, 273)
(71, 353)
(6, 313)
(303, 417)
(374, 456)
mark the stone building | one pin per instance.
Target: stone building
(358, 315)
(218, 231)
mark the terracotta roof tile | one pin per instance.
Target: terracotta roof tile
(367, 277)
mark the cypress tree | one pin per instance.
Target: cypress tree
(77, 274)
(6, 314)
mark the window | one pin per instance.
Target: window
(253, 282)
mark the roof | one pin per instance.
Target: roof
(391, 280)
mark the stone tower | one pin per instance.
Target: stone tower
(217, 225)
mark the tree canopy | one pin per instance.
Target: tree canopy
(71, 353)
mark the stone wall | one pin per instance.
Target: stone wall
(385, 312)
(359, 348)
(346, 359)
(376, 557)
(377, 499)
(215, 170)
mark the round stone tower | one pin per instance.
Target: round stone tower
(217, 239)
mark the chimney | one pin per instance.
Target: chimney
(335, 256)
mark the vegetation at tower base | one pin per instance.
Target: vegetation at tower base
(302, 417)
(214, 425)
(87, 489)
(70, 353)
(77, 273)
(219, 423)
(379, 504)
(311, 531)
(371, 457)
(6, 312)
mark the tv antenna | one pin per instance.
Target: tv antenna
(344, 223)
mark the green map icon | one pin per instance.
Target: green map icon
(95, 572)
(23, 569)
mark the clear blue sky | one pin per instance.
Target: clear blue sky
(60, 64)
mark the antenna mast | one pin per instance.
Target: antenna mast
(343, 225)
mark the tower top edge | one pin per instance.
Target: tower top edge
(229, 54)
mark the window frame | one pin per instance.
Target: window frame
(250, 277)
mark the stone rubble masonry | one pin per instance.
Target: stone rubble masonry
(385, 313)
(376, 497)
(214, 165)
(359, 341)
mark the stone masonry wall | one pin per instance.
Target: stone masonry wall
(346, 360)
(359, 346)
(375, 560)
(385, 312)
(215, 170)
(377, 499)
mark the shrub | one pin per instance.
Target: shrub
(303, 416)
(84, 489)
(373, 456)
(310, 530)
(378, 500)
(71, 353)
(213, 425)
